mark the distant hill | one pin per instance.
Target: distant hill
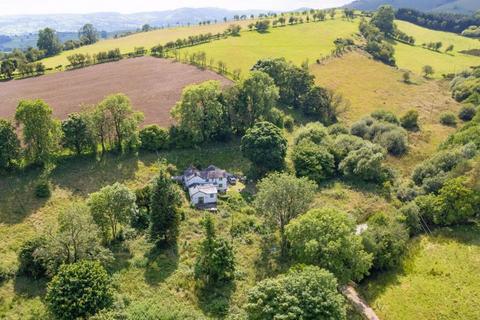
(454, 6)
(111, 21)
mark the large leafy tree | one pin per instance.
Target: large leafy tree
(307, 293)
(75, 238)
(7, 68)
(9, 145)
(281, 197)
(116, 118)
(216, 260)
(201, 113)
(41, 133)
(364, 163)
(386, 239)
(49, 42)
(253, 100)
(326, 237)
(383, 19)
(88, 34)
(265, 145)
(79, 291)
(165, 202)
(458, 203)
(77, 132)
(112, 207)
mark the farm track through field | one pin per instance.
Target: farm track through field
(154, 86)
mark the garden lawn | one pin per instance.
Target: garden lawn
(438, 280)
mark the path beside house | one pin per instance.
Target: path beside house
(360, 305)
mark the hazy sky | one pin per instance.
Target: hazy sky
(8, 7)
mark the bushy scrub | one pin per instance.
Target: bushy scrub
(43, 189)
(314, 131)
(337, 129)
(386, 239)
(308, 293)
(395, 142)
(313, 161)
(386, 116)
(364, 164)
(467, 112)
(154, 138)
(411, 218)
(31, 262)
(409, 120)
(448, 119)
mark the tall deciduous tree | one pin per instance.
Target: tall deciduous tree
(265, 145)
(164, 208)
(88, 34)
(49, 42)
(9, 145)
(41, 133)
(112, 207)
(281, 197)
(383, 19)
(77, 132)
(326, 237)
(117, 119)
(201, 113)
(254, 99)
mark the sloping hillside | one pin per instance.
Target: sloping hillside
(455, 6)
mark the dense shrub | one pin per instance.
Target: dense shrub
(154, 138)
(31, 263)
(344, 144)
(288, 123)
(409, 120)
(458, 202)
(411, 218)
(308, 293)
(314, 132)
(79, 290)
(313, 161)
(387, 116)
(43, 189)
(9, 145)
(394, 141)
(467, 112)
(386, 239)
(448, 119)
(361, 127)
(337, 129)
(364, 164)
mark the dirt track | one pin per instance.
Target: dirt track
(154, 86)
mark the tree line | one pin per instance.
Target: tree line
(450, 22)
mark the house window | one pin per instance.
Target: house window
(220, 185)
(211, 196)
(221, 179)
(207, 179)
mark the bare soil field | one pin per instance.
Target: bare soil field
(154, 86)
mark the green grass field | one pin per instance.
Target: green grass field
(298, 43)
(415, 57)
(370, 85)
(438, 280)
(143, 39)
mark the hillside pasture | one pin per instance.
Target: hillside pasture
(369, 85)
(143, 39)
(297, 43)
(437, 280)
(154, 86)
(415, 57)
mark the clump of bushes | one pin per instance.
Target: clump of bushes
(154, 138)
(43, 189)
(467, 112)
(409, 121)
(383, 127)
(448, 119)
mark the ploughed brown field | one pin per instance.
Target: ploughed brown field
(154, 86)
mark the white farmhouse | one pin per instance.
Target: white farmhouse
(204, 185)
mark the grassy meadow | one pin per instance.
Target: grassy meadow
(415, 57)
(437, 280)
(297, 43)
(369, 85)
